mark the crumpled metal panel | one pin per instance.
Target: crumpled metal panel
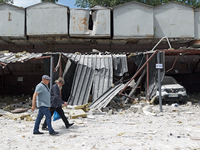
(106, 97)
(92, 71)
(120, 64)
(82, 83)
(103, 77)
(80, 21)
(7, 58)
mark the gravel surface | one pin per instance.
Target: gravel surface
(176, 128)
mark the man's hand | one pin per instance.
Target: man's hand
(65, 104)
(33, 101)
(33, 108)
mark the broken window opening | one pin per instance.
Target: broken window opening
(90, 25)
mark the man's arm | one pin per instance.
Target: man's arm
(34, 100)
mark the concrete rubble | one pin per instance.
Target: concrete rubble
(118, 126)
(19, 108)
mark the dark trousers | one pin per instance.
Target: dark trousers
(43, 111)
(60, 112)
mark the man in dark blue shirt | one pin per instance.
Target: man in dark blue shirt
(56, 103)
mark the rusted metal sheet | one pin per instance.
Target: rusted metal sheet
(128, 23)
(12, 22)
(79, 19)
(99, 25)
(174, 20)
(47, 19)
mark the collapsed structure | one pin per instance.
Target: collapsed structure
(116, 32)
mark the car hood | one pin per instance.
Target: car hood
(169, 86)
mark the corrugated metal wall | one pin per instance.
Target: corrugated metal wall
(92, 71)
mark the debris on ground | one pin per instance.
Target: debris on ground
(76, 113)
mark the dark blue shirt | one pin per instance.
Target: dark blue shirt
(56, 101)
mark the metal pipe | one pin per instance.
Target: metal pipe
(60, 66)
(159, 82)
(136, 86)
(138, 72)
(2, 64)
(168, 42)
(51, 71)
(157, 43)
(173, 64)
(60, 73)
(127, 96)
(147, 79)
(41, 57)
(195, 66)
(2, 83)
(160, 41)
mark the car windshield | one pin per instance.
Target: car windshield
(168, 80)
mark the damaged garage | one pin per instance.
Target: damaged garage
(97, 78)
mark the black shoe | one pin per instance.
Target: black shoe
(69, 125)
(45, 128)
(38, 132)
(54, 133)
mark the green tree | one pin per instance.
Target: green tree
(6, 1)
(112, 3)
(53, 1)
(106, 3)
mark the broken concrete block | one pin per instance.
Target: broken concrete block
(96, 112)
(189, 104)
(77, 113)
(136, 109)
(147, 108)
(85, 107)
(21, 116)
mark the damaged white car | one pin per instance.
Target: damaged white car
(171, 91)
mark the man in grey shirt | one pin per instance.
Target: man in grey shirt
(42, 95)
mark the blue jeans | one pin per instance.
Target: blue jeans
(43, 111)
